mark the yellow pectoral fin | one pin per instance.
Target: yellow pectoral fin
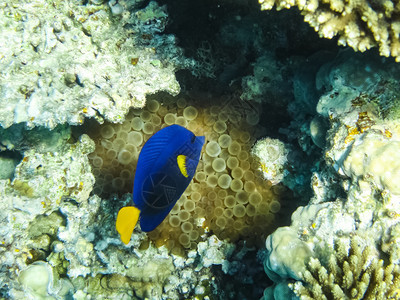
(181, 160)
(126, 222)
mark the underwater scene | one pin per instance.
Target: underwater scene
(210, 150)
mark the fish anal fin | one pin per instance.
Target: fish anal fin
(126, 222)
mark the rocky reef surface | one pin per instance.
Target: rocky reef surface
(294, 126)
(343, 244)
(62, 61)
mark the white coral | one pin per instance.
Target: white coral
(272, 156)
(62, 63)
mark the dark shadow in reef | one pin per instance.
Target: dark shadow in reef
(233, 35)
(10, 159)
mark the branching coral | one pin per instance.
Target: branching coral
(359, 24)
(354, 273)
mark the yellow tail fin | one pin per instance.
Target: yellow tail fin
(126, 222)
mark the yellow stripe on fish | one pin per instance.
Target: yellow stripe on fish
(181, 160)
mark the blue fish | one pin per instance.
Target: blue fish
(166, 165)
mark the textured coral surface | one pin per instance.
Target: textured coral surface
(352, 271)
(61, 61)
(348, 244)
(359, 24)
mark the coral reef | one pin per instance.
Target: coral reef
(354, 272)
(356, 198)
(42, 181)
(8, 161)
(286, 255)
(94, 63)
(272, 156)
(267, 83)
(50, 216)
(63, 61)
(54, 215)
(358, 24)
(39, 282)
(227, 197)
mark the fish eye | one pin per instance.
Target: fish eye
(193, 138)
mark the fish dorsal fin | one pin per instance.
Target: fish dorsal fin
(186, 165)
(153, 150)
(126, 222)
(155, 147)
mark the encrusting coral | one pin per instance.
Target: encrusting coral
(359, 24)
(354, 272)
(227, 197)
